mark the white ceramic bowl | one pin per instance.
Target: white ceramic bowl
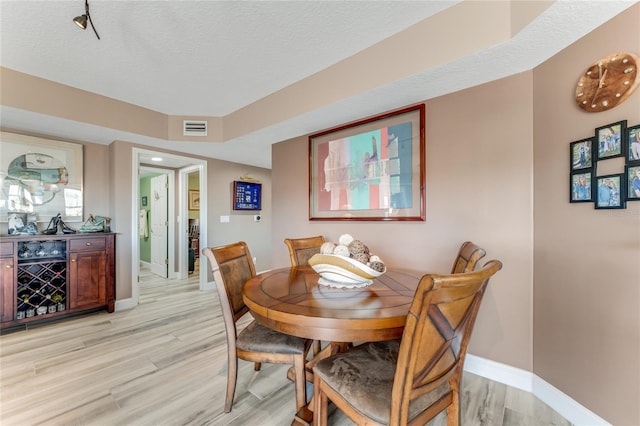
(342, 272)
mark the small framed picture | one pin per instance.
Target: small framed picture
(609, 190)
(16, 223)
(633, 182)
(580, 152)
(194, 199)
(633, 141)
(611, 140)
(580, 187)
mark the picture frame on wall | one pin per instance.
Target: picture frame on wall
(633, 145)
(580, 187)
(610, 191)
(40, 176)
(370, 170)
(247, 195)
(611, 140)
(194, 199)
(581, 154)
(632, 173)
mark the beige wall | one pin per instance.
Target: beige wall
(479, 178)
(586, 261)
(241, 226)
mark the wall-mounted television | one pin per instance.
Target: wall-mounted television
(247, 195)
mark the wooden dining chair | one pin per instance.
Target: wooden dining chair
(301, 249)
(232, 265)
(409, 382)
(467, 258)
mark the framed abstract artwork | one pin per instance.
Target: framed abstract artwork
(40, 176)
(370, 170)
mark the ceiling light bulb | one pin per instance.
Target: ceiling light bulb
(81, 21)
(156, 159)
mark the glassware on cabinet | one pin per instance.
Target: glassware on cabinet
(55, 250)
(24, 252)
(40, 251)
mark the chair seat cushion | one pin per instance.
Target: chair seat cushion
(364, 375)
(258, 338)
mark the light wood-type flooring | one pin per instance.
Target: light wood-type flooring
(164, 363)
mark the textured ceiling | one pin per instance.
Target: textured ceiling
(211, 58)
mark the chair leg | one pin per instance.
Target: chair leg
(317, 347)
(257, 366)
(453, 410)
(320, 403)
(232, 377)
(300, 381)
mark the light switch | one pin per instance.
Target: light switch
(224, 219)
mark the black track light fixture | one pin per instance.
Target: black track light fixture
(81, 20)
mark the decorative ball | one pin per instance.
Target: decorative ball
(377, 266)
(358, 246)
(374, 258)
(345, 239)
(341, 250)
(327, 248)
(361, 257)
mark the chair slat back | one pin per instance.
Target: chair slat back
(467, 258)
(436, 335)
(233, 265)
(301, 249)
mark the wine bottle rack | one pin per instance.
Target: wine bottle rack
(51, 277)
(41, 278)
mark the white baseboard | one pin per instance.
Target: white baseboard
(502, 373)
(527, 381)
(210, 285)
(565, 405)
(124, 304)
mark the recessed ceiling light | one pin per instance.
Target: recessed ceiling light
(156, 159)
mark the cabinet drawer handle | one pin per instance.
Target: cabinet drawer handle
(73, 260)
(8, 266)
(88, 244)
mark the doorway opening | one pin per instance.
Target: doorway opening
(155, 187)
(177, 169)
(193, 229)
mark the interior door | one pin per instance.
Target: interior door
(159, 226)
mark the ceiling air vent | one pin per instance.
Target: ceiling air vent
(194, 128)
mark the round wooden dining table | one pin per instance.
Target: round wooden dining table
(291, 301)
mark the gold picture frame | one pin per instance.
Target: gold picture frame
(194, 199)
